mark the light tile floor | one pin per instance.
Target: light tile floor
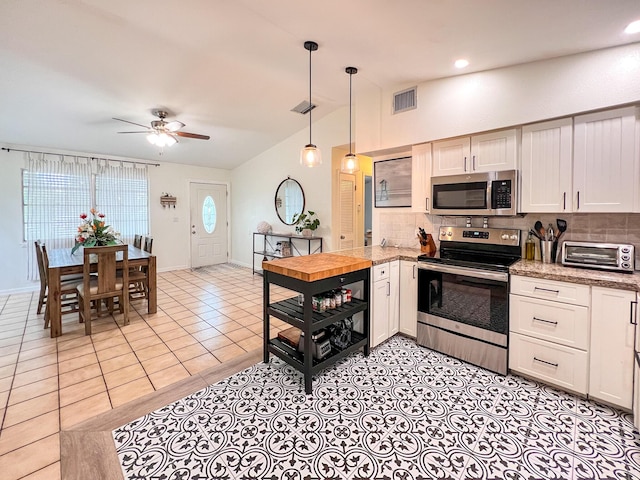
(205, 317)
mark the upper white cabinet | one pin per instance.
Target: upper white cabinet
(485, 152)
(546, 167)
(605, 161)
(421, 178)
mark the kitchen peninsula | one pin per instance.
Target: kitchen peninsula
(313, 275)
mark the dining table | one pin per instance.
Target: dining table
(63, 262)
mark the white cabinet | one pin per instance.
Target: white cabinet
(421, 178)
(612, 342)
(408, 298)
(549, 331)
(605, 161)
(384, 303)
(546, 167)
(485, 152)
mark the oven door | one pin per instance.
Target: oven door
(473, 303)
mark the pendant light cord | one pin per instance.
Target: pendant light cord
(350, 121)
(310, 104)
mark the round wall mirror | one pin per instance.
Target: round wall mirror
(289, 200)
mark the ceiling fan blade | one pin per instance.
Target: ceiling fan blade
(192, 135)
(173, 126)
(132, 123)
(145, 131)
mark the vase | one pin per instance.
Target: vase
(307, 232)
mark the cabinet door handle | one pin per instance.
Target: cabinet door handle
(578, 208)
(426, 204)
(545, 321)
(473, 163)
(632, 318)
(388, 289)
(535, 359)
(546, 290)
(465, 164)
(414, 271)
(564, 201)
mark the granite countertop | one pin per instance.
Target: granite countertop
(378, 254)
(584, 276)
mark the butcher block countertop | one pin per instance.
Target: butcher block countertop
(318, 266)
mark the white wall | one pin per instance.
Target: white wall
(169, 227)
(501, 98)
(255, 183)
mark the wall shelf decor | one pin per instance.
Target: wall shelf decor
(167, 200)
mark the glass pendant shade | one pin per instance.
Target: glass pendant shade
(310, 156)
(350, 163)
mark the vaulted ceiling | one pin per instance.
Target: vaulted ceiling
(233, 69)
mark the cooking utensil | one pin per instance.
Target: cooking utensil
(540, 229)
(535, 234)
(550, 233)
(562, 226)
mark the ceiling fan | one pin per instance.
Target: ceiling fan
(163, 133)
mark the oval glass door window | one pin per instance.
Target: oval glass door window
(209, 214)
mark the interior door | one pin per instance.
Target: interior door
(348, 214)
(209, 227)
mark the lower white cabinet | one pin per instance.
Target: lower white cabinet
(577, 337)
(408, 298)
(612, 341)
(549, 331)
(384, 301)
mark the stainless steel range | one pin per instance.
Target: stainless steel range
(463, 295)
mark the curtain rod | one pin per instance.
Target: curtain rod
(81, 156)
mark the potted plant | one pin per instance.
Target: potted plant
(306, 223)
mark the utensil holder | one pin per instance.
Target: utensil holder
(546, 249)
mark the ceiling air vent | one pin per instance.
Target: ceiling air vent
(405, 100)
(303, 107)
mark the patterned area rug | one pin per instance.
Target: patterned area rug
(403, 413)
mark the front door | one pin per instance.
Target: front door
(209, 233)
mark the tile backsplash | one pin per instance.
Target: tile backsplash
(400, 229)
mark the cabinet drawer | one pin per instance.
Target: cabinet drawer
(380, 272)
(551, 290)
(557, 322)
(555, 364)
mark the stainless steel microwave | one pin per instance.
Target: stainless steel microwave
(487, 194)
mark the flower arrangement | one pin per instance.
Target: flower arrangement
(93, 232)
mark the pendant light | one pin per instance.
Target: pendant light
(350, 162)
(310, 154)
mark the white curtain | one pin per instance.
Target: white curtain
(122, 195)
(57, 189)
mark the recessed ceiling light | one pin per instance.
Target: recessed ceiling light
(461, 63)
(633, 27)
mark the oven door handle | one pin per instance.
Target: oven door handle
(484, 274)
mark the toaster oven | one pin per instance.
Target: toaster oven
(602, 256)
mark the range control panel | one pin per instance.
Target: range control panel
(495, 236)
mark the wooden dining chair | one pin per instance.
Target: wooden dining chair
(68, 285)
(137, 241)
(148, 244)
(112, 281)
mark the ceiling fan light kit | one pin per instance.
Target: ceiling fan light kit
(162, 133)
(310, 155)
(350, 162)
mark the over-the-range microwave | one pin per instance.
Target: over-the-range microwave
(489, 193)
